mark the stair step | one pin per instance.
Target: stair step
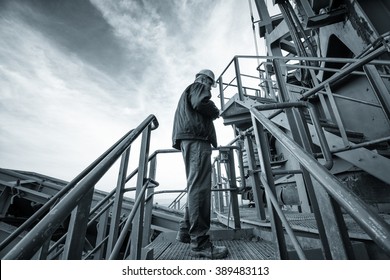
(353, 136)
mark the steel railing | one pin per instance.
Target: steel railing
(75, 199)
(370, 221)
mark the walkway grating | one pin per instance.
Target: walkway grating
(241, 249)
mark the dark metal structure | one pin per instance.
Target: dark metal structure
(309, 156)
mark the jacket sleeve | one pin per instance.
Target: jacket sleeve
(200, 101)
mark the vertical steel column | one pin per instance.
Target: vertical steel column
(294, 121)
(118, 200)
(264, 15)
(254, 178)
(330, 230)
(266, 169)
(137, 232)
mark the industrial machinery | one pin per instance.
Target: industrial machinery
(310, 155)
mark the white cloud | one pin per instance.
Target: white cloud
(59, 112)
(53, 109)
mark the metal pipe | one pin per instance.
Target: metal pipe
(369, 220)
(344, 72)
(362, 145)
(286, 172)
(320, 133)
(162, 192)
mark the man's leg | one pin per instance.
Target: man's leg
(183, 234)
(197, 159)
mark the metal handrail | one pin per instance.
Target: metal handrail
(42, 210)
(369, 221)
(31, 243)
(355, 63)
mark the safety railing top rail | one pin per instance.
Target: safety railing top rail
(352, 65)
(42, 210)
(71, 196)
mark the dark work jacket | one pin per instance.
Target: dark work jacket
(194, 116)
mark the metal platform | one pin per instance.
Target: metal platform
(253, 241)
(303, 222)
(242, 245)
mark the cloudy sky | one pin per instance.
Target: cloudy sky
(76, 75)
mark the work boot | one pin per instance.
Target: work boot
(183, 237)
(212, 252)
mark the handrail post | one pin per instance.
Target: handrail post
(149, 204)
(238, 77)
(137, 232)
(221, 93)
(220, 195)
(228, 158)
(266, 169)
(118, 200)
(298, 132)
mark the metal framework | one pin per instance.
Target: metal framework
(298, 136)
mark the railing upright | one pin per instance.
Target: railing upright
(118, 201)
(137, 232)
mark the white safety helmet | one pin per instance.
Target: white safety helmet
(207, 73)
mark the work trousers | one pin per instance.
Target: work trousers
(197, 160)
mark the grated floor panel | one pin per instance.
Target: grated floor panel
(238, 250)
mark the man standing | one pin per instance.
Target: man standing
(193, 134)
